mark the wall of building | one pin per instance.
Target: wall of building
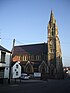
(6, 64)
(16, 70)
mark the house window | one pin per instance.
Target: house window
(7, 68)
(1, 72)
(16, 73)
(3, 56)
(17, 66)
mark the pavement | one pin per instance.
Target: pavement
(37, 86)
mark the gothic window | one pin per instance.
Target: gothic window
(25, 58)
(29, 68)
(43, 69)
(38, 57)
(52, 31)
(54, 25)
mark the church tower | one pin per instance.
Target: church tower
(54, 49)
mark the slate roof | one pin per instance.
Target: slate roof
(4, 49)
(34, 49)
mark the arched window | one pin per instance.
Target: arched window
(43, 67)
(52, 31)
(29, 68)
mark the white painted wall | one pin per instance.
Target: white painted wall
(6, 72)
(0, 55)
(6, 64)
(7, 58)
(15, 70)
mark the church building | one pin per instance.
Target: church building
(42, 57)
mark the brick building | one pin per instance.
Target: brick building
(42, 57)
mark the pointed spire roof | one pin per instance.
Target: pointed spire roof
(52, 19)
(52, 15)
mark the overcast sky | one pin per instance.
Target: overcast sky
(27, 20)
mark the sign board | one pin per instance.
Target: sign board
(37, 74)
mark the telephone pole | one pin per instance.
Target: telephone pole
(11, 61)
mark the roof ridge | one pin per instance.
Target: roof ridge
(31, 44)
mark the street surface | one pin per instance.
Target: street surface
(37, 86)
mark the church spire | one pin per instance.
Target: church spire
(52, 27)
(52, 15)
(52, 19)
(54, 49)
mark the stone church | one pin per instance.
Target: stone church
(43, 57)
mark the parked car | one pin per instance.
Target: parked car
(24, 76)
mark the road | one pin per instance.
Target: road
(37, 86)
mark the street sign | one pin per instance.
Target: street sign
(37, 74)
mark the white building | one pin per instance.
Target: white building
(5, 56)
(16, 70)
